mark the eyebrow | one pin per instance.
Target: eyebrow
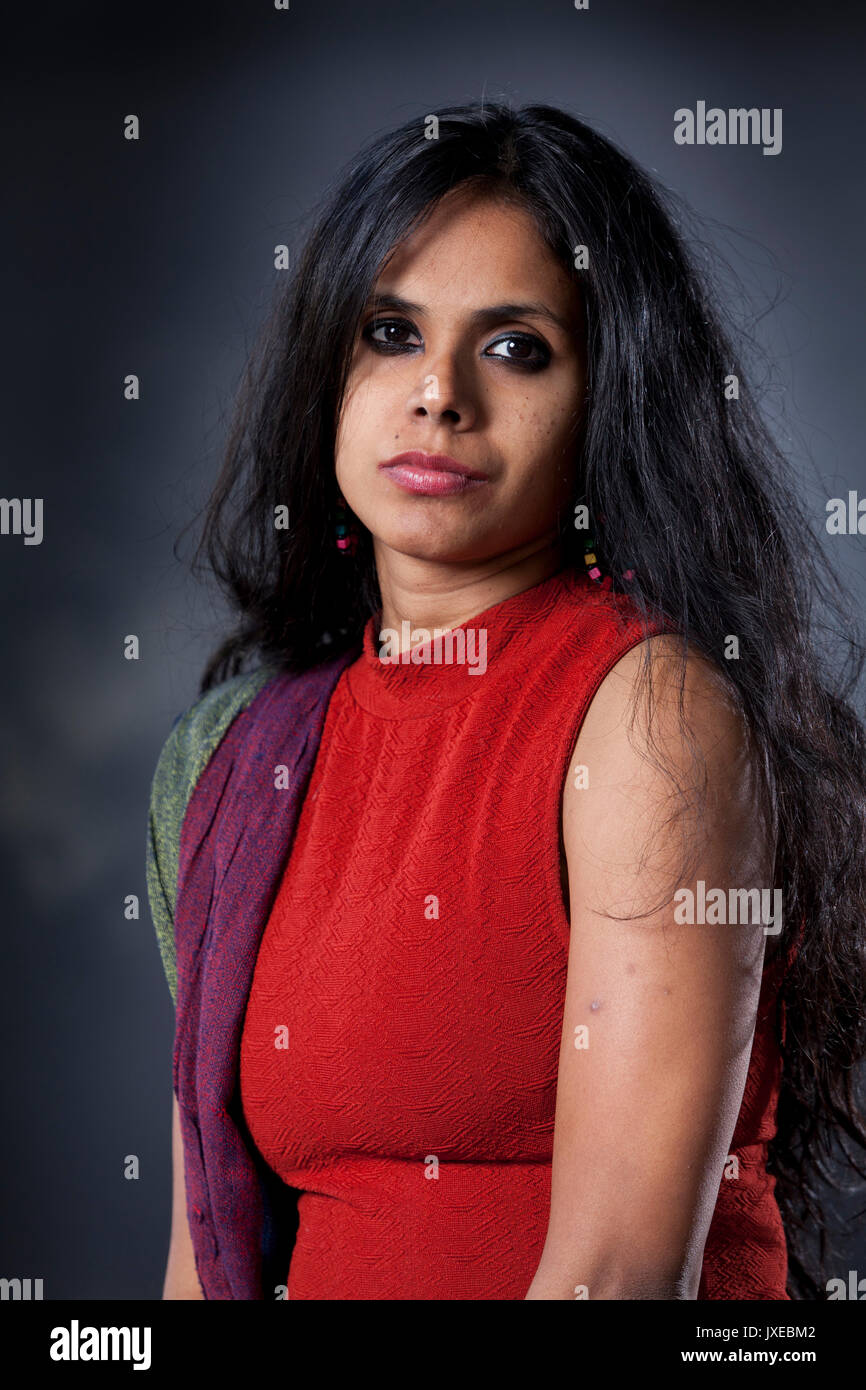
(479, 318)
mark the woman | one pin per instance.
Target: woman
(513, 899)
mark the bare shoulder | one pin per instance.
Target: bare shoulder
(654, 681)
(661, 705)
(664, 758)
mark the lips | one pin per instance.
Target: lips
(435, 475)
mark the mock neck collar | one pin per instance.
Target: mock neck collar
(442, 671)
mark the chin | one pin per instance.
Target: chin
(433, 546)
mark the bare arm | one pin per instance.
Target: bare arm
(646, 1111)
(181, 1277)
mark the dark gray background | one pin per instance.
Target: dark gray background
(156, 258)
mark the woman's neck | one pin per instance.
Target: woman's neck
(430, 595)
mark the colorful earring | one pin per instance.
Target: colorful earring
(590, 559)
(347, 537)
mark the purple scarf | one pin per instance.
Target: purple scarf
(234, 845)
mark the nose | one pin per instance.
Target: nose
(443, 394)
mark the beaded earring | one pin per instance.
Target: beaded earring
(347, 536)
(590, 559)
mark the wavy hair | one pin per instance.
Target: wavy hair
(686, 488)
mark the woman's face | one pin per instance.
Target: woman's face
(484, 363)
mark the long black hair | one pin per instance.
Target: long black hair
(686, 488)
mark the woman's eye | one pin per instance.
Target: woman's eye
(523, 350)
(390, 329)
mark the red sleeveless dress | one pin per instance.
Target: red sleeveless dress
(400, 1047)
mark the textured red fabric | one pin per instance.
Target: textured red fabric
(417, 952)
